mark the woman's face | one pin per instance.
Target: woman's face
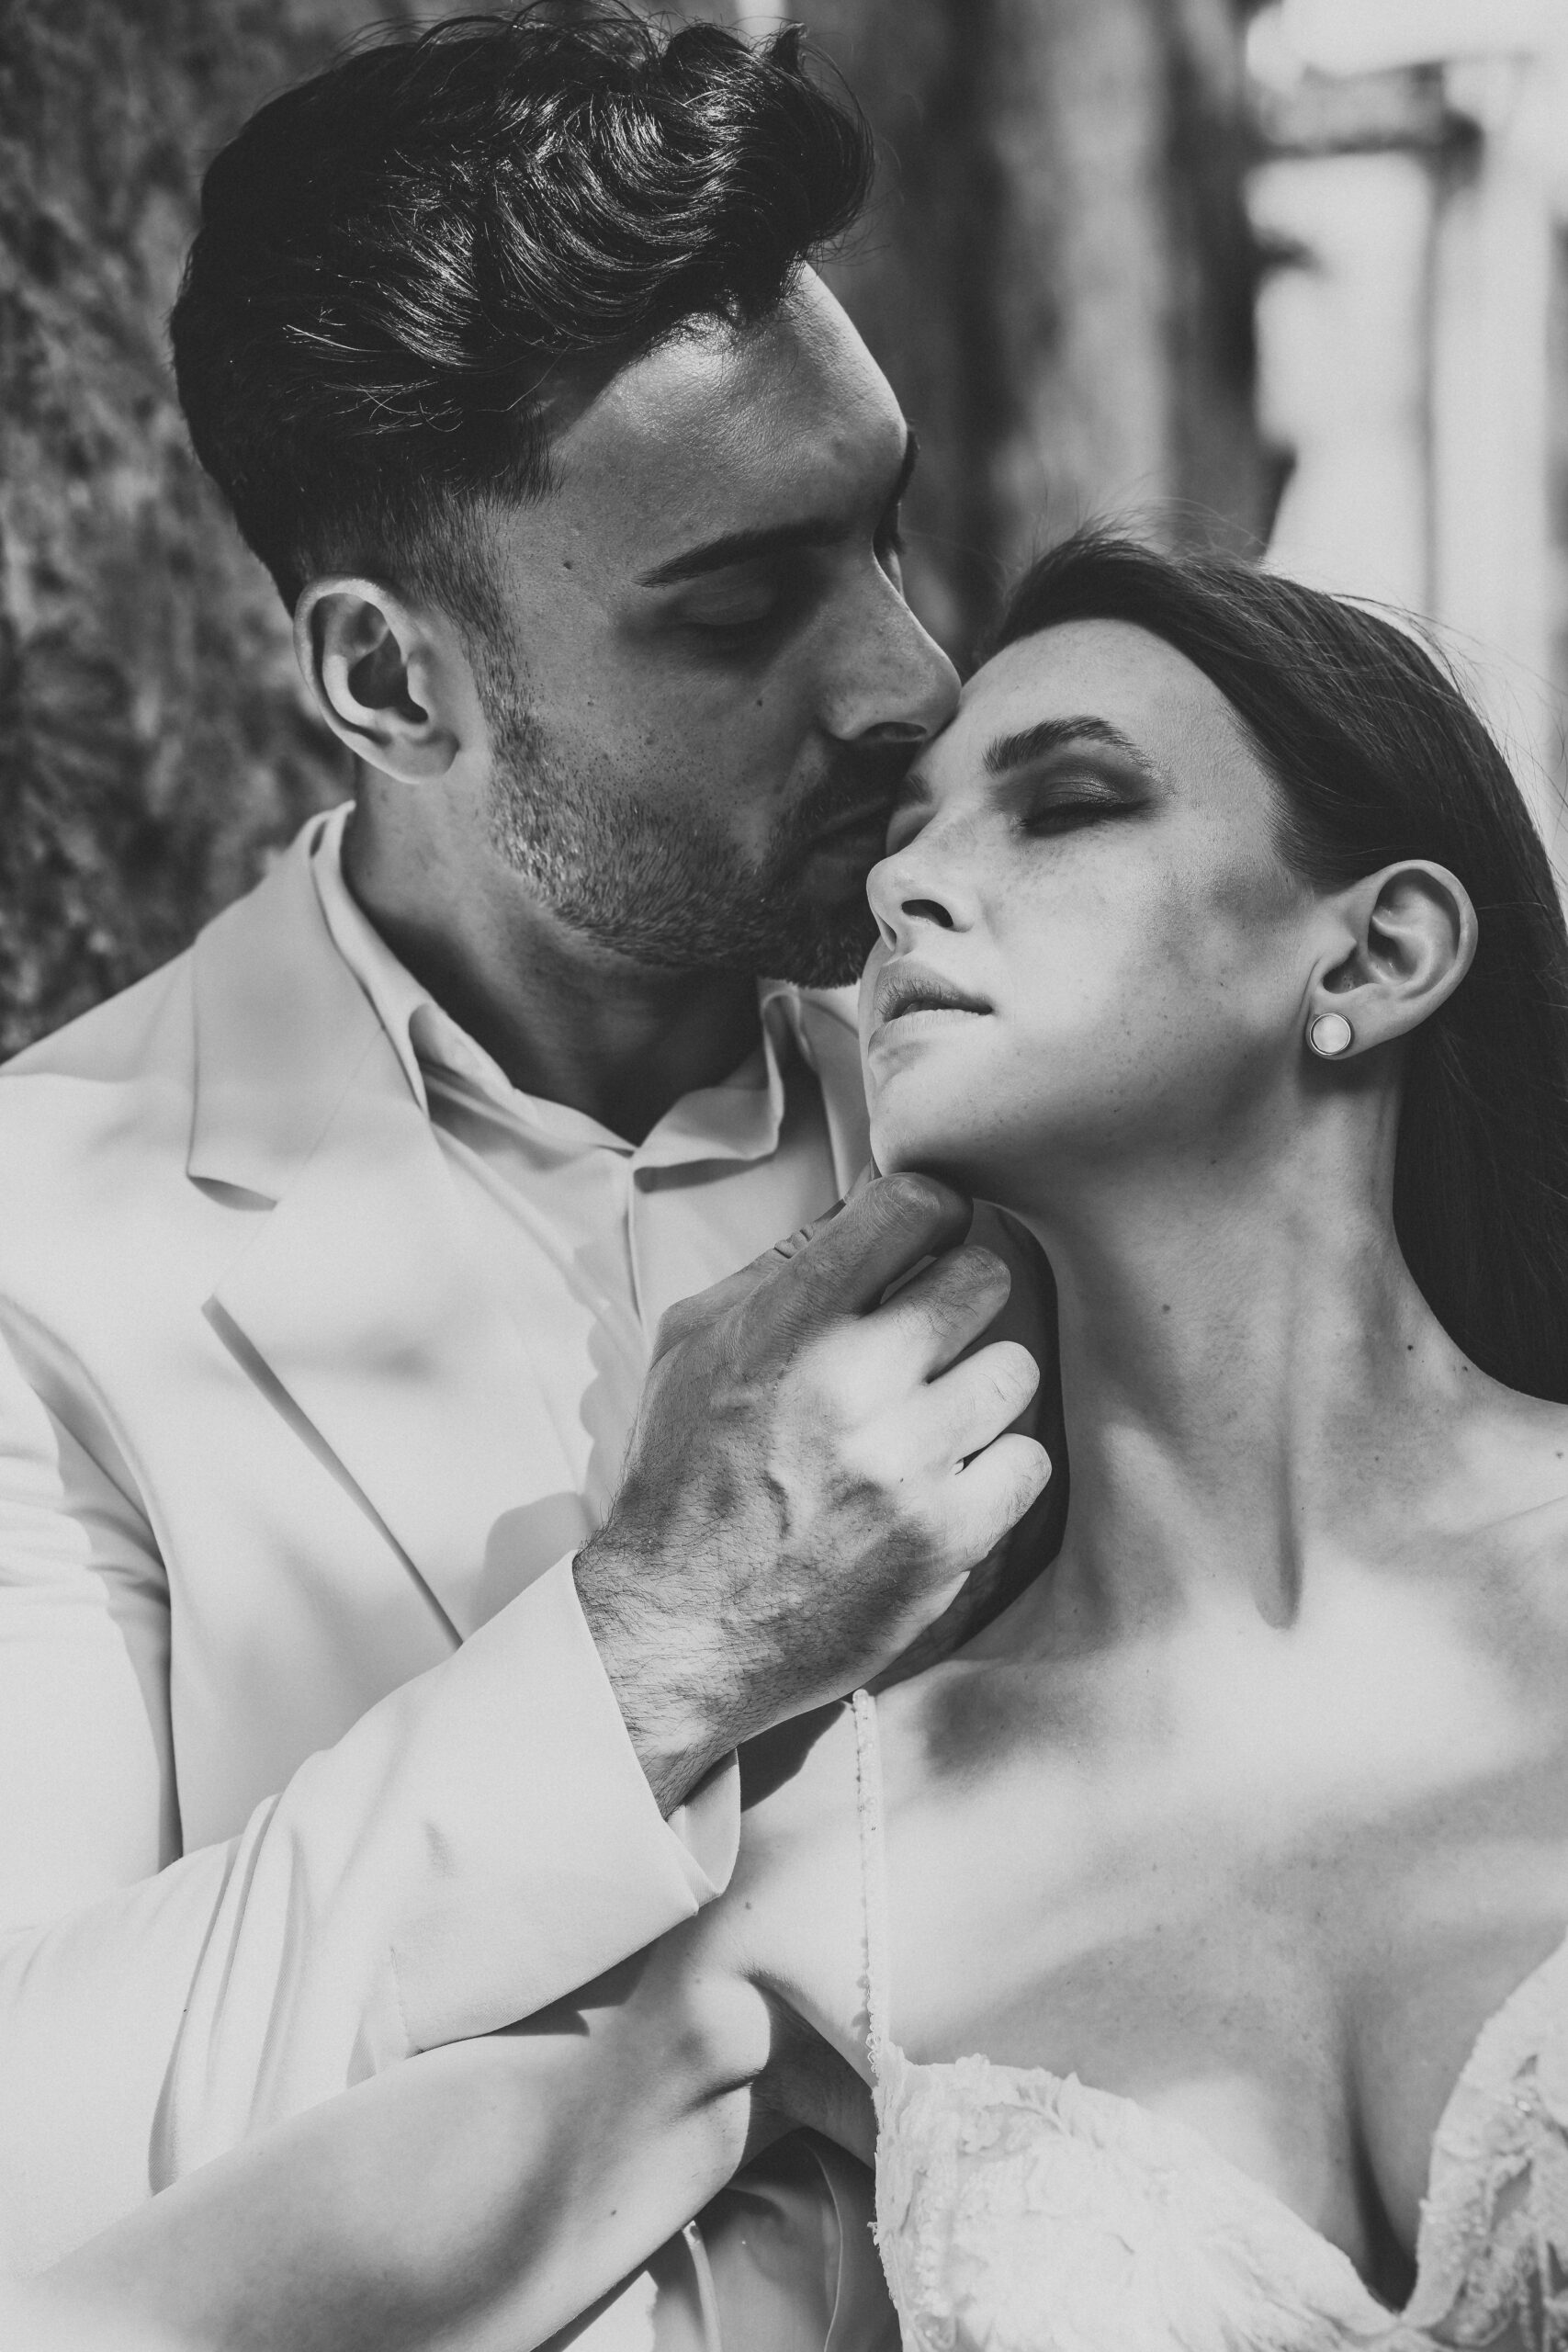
(1085, 862)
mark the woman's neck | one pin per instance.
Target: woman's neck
(1251, 1381)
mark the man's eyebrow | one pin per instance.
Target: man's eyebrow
(1007, 753)
(746, 547)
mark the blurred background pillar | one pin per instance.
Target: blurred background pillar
(1058, 276)
(1414, 355)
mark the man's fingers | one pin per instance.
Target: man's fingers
(704, 1306)
(793, 1243)
(850, 1260)
(840, 1264)
(941, 1311)
(992, 1494)
(969, 1406)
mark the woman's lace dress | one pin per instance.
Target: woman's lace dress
(1021, 2211)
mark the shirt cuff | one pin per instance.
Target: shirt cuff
(707, 1828)
(546, 1859)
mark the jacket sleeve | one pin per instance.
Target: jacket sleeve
(478, 1843)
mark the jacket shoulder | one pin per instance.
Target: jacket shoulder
(116, 1038)
(88, 1114)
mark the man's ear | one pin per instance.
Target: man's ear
(1414, 930)
(393, 682)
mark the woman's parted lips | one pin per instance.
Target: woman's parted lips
(907, 986)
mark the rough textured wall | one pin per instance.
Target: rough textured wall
(151, 745)
(1056, 277)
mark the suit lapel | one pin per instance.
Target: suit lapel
(359, 1293)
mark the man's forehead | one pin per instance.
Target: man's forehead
(723, 424)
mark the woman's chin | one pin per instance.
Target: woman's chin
(934, 1148)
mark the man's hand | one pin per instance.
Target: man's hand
(1029, 1316)
(811, 1475)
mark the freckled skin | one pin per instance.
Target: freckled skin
(1140, 981)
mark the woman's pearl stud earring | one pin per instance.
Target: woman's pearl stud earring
(1330, 1035)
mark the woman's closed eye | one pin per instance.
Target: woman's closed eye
(1064, 807)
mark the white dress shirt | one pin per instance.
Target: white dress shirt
(592, 1238)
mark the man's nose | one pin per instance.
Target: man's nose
(896, 684)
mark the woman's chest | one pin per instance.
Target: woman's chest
(1306, 1999)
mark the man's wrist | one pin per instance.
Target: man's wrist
(675, 1729)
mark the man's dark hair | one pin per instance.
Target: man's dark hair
(403, 264)
(1377, 756)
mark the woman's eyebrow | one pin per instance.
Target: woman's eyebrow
(1006, 752)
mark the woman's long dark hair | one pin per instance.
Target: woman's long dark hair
(1378, 756)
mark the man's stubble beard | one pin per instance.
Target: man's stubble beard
(667, 888)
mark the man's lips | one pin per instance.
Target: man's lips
(870, 819)
(904, 988)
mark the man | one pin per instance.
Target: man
(353, 1700)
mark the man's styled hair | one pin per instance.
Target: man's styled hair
(408, 265)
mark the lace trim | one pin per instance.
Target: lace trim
(1023, 2211)
(874, 1879)
(1493, 2245)
(968, 2150)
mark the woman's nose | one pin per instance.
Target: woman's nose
(906, 893)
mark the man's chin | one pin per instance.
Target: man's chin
(830, 956)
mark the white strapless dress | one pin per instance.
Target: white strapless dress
(1019, 2211)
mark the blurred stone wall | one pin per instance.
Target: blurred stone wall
(151, 744)
(1056, 275)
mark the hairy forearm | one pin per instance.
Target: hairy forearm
(672, 1700)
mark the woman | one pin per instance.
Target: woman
(1217, 945)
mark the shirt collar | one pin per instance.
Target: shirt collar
(740, 1119)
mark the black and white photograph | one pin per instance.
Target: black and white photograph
(783, 1176)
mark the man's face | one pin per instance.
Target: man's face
(716, 685)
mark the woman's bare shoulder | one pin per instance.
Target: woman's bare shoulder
(1520, 1530)
(799, 1778)
(792, 1920)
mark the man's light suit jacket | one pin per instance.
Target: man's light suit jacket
(305, 1765)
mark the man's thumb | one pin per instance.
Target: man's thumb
(705, 1306)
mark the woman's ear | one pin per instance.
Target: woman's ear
(1415, 930)
(391, 683)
